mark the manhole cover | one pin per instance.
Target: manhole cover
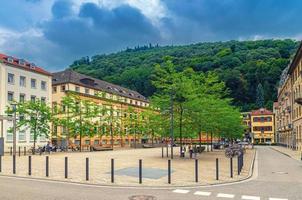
(142, 197)
(279, 172)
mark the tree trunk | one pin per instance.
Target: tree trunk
(152, 138)
(207, 142)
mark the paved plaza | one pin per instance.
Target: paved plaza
(126, 167)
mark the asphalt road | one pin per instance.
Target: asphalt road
(276, 177)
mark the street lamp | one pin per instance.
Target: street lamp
(14, 105)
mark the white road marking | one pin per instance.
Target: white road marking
(277, 199)
(246, 197)
(200, 193)
(181, 191)
(222, 195)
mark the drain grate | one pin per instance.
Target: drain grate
(142, 197)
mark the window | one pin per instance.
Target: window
(77, 89)
(104, 141)
(22, 98)
(22, 136)
(86, 90)
(33, 98)
(63, 88)
(9, 137)
(11, 78)
(96, 142)
(55, 130)
(10, 96)
(54, 107)
(64, 130)
(43, 138)
(43, 99)
(87, 142)
(31, 136)
(43, 85)
(54, 89)
(22, 81)
(33, 83)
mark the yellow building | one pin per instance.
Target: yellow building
(87, 88)
(262, 126)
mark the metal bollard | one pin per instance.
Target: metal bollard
(24, 151)
(29, 165)
(47, 166)
(14, 164)
(11, 151)
(231, 167)
(169, 171)
(140, 171)
(238, 165)
(112, 170)
(19, 151)
(0, 163)
(162, 151)
(196, 170)
(87, 169)
(217, 169)
(66, 167)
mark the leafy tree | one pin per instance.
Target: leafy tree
(35, 116)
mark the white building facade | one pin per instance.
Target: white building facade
(21, 81)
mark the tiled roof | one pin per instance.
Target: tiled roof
(70, 76)
(296, 59)
(22, 64)
(261, 111)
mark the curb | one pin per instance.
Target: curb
(250, 175)
(285, 154)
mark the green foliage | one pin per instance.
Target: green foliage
(242, 65)
(33, 115)
(260, 96)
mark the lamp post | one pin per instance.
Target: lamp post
(172, 124)
(14, 105)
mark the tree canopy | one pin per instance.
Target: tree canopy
(242, 65)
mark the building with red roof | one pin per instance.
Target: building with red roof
(21, 80)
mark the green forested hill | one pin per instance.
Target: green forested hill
(242, 65)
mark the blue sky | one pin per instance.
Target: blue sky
(53, 33)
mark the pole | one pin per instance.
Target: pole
(14, 164)
(140, 172)
(66, 167)
(238, 165)
(29, 165)
(87, 169)
(231, 167)
(24, 151)
(196, 170)
(19, 151)
(112, 170)
(172, 126)
(162, 151)
(169, 171)
(217, 169)
(47, 166)
(0, 163)
(14, 132)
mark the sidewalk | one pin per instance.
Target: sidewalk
(126, 167)
(289, 152)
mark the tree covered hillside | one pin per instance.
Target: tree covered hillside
(242, 65)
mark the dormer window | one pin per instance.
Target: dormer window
(32, 65)
(10, 59)
(88, 81)
(21, 62)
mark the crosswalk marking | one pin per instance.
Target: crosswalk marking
(181, 191)
(277, 199)
(246, 197)
(201, 193)
(222, 195)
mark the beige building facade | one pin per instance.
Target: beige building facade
(21, 81)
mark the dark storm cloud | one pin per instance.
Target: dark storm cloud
(98, 29)
(233, 19)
